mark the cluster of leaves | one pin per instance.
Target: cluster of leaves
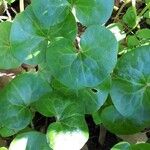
(74, 77)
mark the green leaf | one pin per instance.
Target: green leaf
(7, 60)
(10, 1)
(147, 1)
(70, 124)
(147, 14)
(88, 66)
(132, 41)
(127, 146)
(97, 117)
(30, 141)
(122, 146)
(3, 148)
(117, 123)
(130, 17)
(54, 105)
(15, 100)
(131, 85)
(29, 39)
(141, 146)
(68, 134)
(92, 100)
(50, 12)
(143, 34)
(44, 72)
(92, 12)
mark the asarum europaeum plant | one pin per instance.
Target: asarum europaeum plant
(73, 78)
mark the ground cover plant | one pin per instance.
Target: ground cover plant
(63, 62)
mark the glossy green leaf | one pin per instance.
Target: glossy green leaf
(122, 146)
(130, 17)
(88, 66)
(15, 100)
(91, 100)
(3, 148)
(68, 134)
(30, 141)
(132, 41)
(7, 60)
(50, 12)
(44, 72)
(92, 12)
(70, 124)
(29, 38)
(143, 33)
(54, 105)
(118, 124)
(131, 85)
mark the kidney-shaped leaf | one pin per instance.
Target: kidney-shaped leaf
(50, 12)
(117, 123)
(131, 85)
(7, 60)
(88, 66)
(30, 141)
(29, 38)
(15, 100)
(92, 12)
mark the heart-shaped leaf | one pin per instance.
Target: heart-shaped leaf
(50, 12)
(70, 134)
(117, 123)
(90, 65)
(30, 141)
(131, 85)
(49, 105)
(70, 124)
(15, 100)
(92, 12)
(7, 60)
(29, 38)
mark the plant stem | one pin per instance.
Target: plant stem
(134, 3)
(21, 5)
(120, 10)
(6, 10)
(144, 10)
